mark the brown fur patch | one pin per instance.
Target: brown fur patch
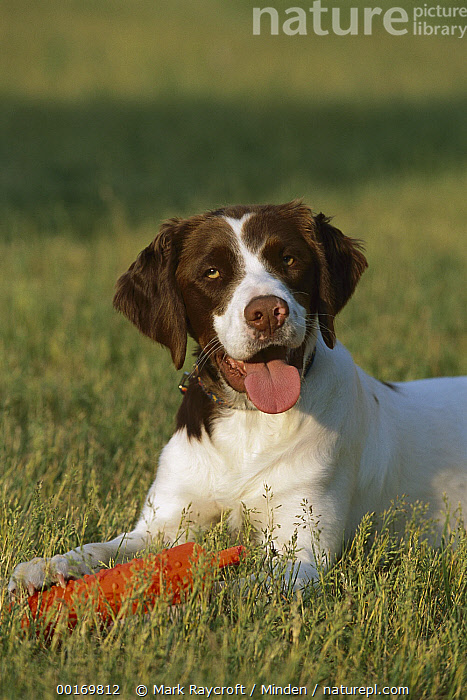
(211, 245)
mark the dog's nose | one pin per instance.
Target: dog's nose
(266, 314)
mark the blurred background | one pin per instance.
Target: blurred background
(117, 113)
(162, 107)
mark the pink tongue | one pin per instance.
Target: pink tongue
(272, 386)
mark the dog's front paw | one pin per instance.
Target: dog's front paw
(40, 573)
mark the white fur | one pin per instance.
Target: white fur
(338, 450)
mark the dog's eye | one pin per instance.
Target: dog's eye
(212, 273)
(288, 260)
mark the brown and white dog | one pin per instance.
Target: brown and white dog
(274, 401)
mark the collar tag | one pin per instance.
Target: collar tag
(194, 374)
(182, 386)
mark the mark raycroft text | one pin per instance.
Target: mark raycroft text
(238, 689)
(426, 20)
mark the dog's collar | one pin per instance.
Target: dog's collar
(309, 363)
(194, 374)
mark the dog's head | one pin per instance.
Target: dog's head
(250, 285)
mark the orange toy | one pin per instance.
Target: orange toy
(170, 571)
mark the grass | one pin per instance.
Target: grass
(114, 116)
(388, 613)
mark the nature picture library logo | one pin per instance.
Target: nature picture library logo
(323, 19)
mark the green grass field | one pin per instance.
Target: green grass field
(114, 115)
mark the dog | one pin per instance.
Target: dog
(274, 401)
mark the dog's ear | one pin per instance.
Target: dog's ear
(340, 271)
(149, 296)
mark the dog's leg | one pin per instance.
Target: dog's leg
(34, 574)
(159, 517)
